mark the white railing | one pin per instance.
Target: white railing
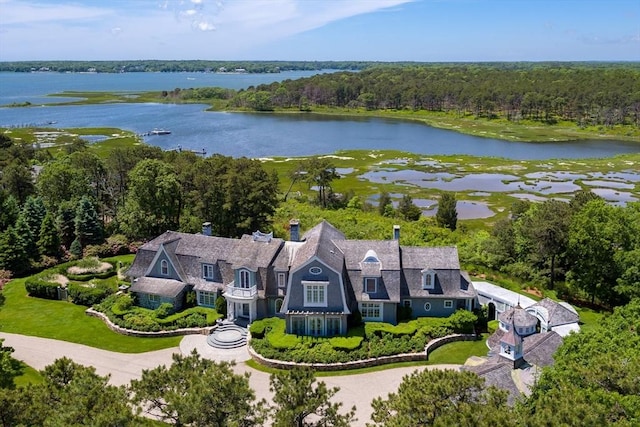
(235, 292)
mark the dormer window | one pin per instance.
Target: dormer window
(207, 271)
(282, 280)
(428, 279)
(371, 257)
(245, 279)
(371, 285)
(164, 267)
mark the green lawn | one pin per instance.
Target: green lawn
(29, 376)
(459, 352)
(65, 321)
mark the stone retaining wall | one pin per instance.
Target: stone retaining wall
(438, 342)
(176, 332)
(366, 363)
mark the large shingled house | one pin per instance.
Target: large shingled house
(315, 281)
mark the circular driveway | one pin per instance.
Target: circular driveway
(358, 390)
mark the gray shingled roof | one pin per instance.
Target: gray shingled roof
(436, 258)
(558, 313)
(497, 373)
(254, 254)
(164, 287)
(187, 252)
(538, 351)
(448, 284)
(319, 242)
(519, 317)
(540, 348)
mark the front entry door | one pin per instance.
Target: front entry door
(242, 310)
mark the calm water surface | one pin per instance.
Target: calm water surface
(254, 135)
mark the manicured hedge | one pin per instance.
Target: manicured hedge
(39, 286)
(373, 340)
(119, 309)
(88, 294)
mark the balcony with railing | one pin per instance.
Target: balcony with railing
(241, 294)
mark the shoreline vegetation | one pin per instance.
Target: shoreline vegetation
(518, 101)
(522, 131)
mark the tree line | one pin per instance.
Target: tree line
(586, 95)
(80, 201)
(176, 66)
(585, 250)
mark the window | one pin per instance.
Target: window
(207, 271)
(427, 306)
(297, 325)
(370, 285)
(278, 305)
(448, 303)
(428, 279)
(315, 326)
(282, 280)
(371, 257)
(333, 326)
(406, 303)
(154, 298)
(315, 294)
(371, 311)
(164, 267)
(207, 298)
(315, 270)
(245, 281)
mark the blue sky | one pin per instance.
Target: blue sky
(375, 30)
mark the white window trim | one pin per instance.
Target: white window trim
(206, 268)
(320, 321)
(154, 298)
(428, 279)
(248, 275)
(282, 280)
(164, 267)
(380, 311)
(315, 270)
(375, 285)
(332, 318)
(448, 303)
(427, 306)
(306, 285)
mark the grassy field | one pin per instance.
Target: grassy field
(29, 376)
(65, 321)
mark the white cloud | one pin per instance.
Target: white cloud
(25, 12)
(163, 29)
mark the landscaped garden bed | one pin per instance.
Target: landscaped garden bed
(87, 281)
(121, 311)
(371, 340)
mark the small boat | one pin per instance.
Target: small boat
(160, 132)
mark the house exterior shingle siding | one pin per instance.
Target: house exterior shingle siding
(325, 277)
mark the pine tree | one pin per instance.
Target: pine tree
(66, 223)
(88, 228)
(407, 210)
(49, 238)
(447, 215)
(384, 203)
(13, 257)
(26, 238)
(9, 212)
(34, 212)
